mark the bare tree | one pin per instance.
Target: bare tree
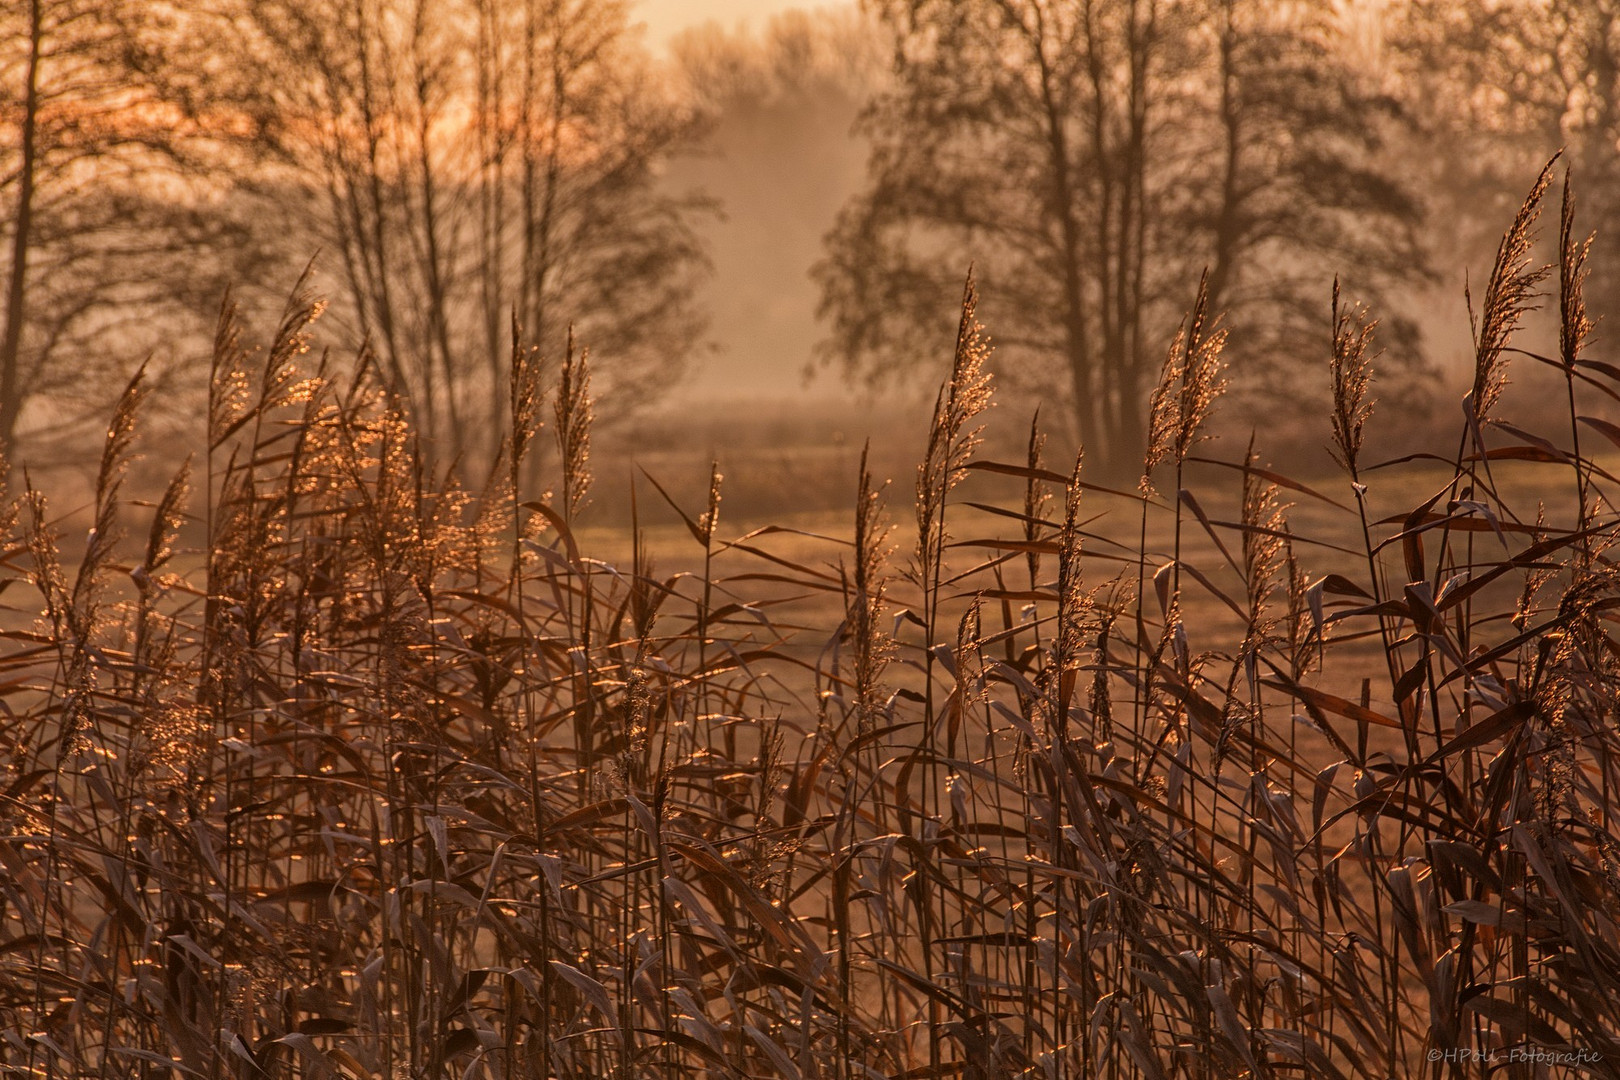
(1500, 86)
(95, 200)
(471, 158)
(1094, 158)
(22, 225)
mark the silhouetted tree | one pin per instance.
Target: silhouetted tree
(465, 159)
(1093, 158)
(1498, 87)
(97, 199)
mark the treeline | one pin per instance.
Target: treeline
(1097, 159)
(458, 164)
(461, 163)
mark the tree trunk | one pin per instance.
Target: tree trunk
(1133, 372)
(450, 436)
(497, 312)
(1076, 331)
(373, 219)
(11, 389)
(1228, 228)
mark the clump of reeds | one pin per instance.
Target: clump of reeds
(266, 811)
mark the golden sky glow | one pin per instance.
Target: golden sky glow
(665, 18)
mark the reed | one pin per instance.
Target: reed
(351, 772)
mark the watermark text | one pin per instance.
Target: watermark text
(1535, 1055)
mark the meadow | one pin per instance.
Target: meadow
(320, 762)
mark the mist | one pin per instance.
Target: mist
(1030, 539)
(781, 158)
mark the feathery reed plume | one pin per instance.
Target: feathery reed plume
(646, 595)
(46, 569)
(872, 646)
(951, 441)
(1101, 701)
(174, 730)
(1299, 613)
(1351, 370)
(1162, 413)
(1036, 496)
(704, 531)
(709, 523)
(574, 411)
(1509, 295)
(1536, 578)
(1073, 604)
(1188, 386)
(1181, 402)
(1574, 326)
(304, 306)
(1264, 535)
(1189, 383)
(167, 518)
(873, 649)
(523, 397)
(120, 435)
(227, 376)
(85, 599)
(968, 660)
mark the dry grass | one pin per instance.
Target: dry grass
(393, 778)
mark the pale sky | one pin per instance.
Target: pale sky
(664, 18)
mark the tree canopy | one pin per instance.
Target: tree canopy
(1499, 86)
(454, 163)
(1093, 158)
(105, 232)
(465, 162)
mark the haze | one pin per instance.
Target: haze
(447, 635)
(781, 178)
(718, 197)
(666, 18)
